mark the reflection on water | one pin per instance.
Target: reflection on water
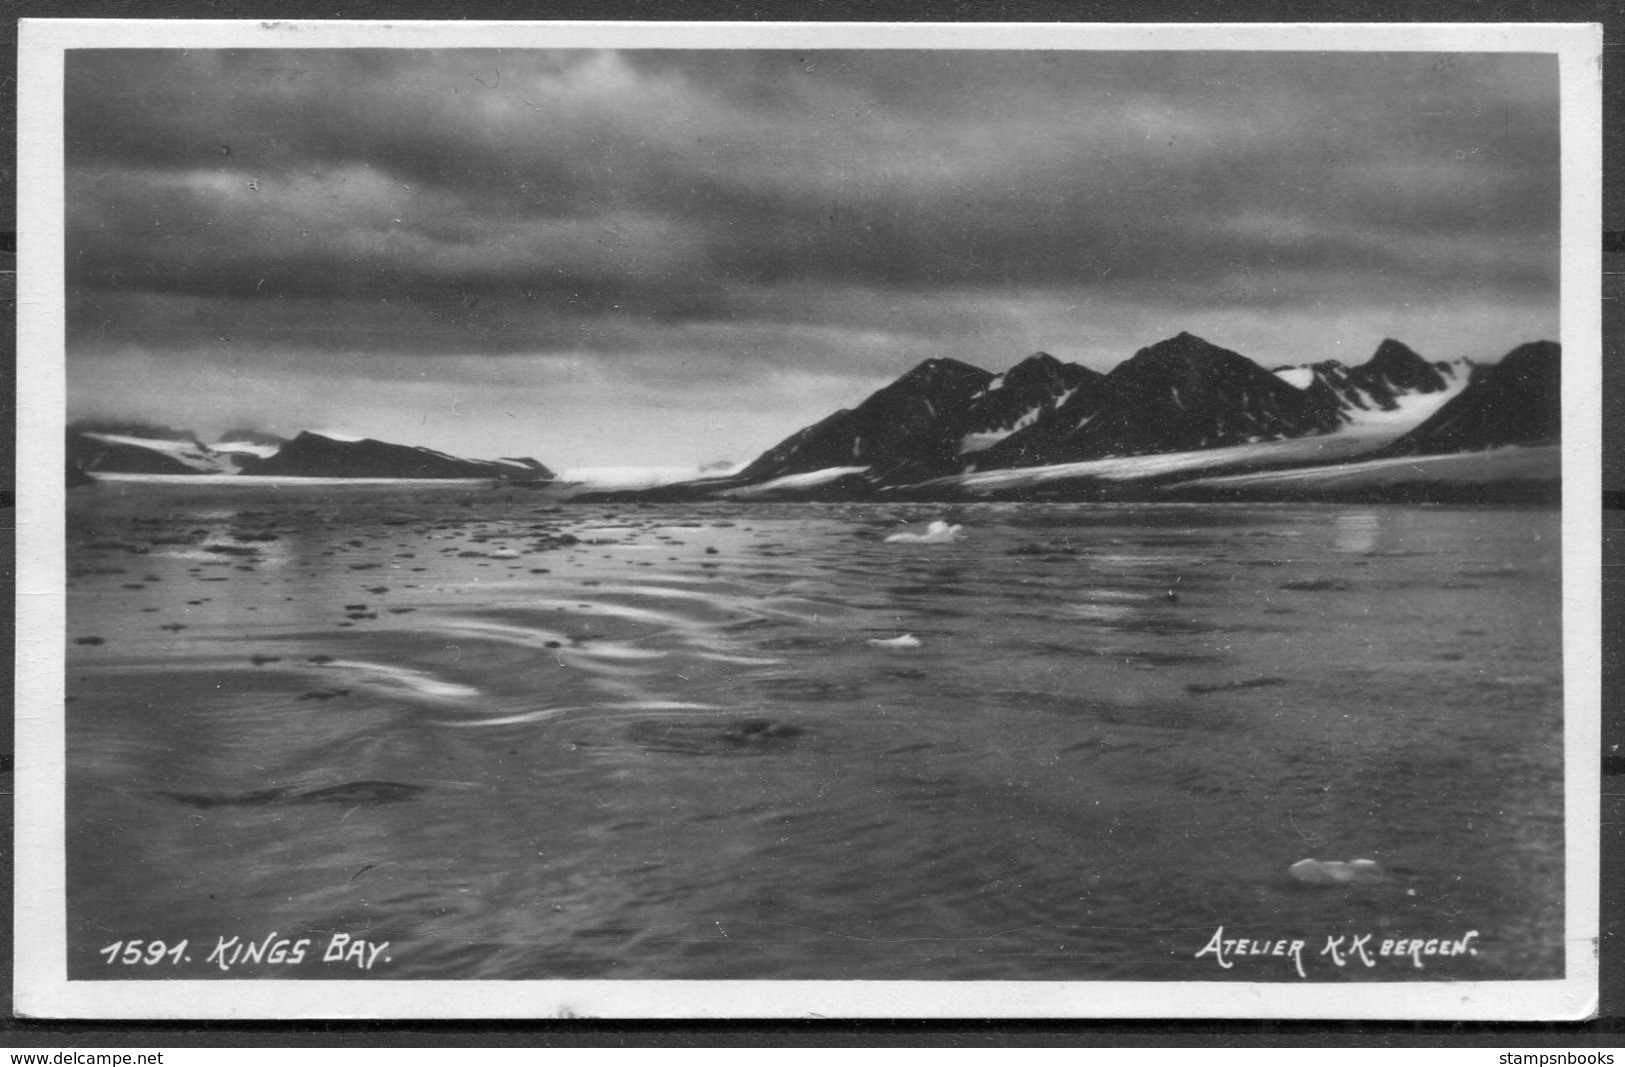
(523, 741)
(1356, 531)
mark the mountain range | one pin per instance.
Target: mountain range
(125, 448)
(1177, 418)
(1181, 395)
(1182, 413)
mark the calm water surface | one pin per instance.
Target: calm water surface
(522, 740)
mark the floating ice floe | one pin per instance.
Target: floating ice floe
(1337, 872)
(938, 533)
(906, 641)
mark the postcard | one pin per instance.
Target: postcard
(696, 520)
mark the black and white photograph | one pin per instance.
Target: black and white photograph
(684, 521)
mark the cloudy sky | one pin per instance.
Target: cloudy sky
(671, 258)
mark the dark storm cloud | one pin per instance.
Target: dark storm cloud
(508, 202)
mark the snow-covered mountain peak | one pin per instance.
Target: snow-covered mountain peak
(1388, 385)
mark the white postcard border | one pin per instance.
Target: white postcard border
(42, 989)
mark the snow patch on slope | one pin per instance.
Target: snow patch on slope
(248, 448)
(1297, 377)
(792, 482)
(980, 441)
(1496, 464)
(192, 454)
(1413, 409)
(1326, 448)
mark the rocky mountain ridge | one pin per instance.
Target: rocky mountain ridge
(162, 450)
(904, 432)
(314, 455)
(1516, 401)
(1183, 394)
(1178, 395)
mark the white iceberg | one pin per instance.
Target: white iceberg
(1337, 872)
(938, 533)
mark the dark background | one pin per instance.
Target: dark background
(1603, 1031)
